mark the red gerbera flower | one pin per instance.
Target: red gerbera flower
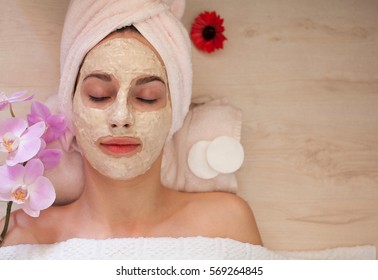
(207, 32)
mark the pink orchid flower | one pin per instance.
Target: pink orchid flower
(26, 186)
(49, 157)
(14, 98)
(56, 124)
(20, 141)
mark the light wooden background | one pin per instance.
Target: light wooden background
(305, 74)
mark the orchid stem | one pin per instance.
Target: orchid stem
(11, 111)
(5, 229)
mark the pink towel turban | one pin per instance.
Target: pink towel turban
(89, 21)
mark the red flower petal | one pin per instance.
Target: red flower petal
(203, 39)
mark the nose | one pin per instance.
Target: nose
(122, 119)
(120, 115)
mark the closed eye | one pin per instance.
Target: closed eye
(148, 101)
(98, 99)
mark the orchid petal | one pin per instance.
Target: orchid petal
(49, 135)
(50, 157)
(6, 187)
(15, 125)
(14, 173)
(3, 101)
(58, 121)
(38, 108)
(6, 196)
(41, 194)
(27, 149)
(56, 127)
(29, 211)
(43, 145)
(9, 178)
(33, 169)
(32, 119)
(14, 98)
(36, 130)
(18, 97)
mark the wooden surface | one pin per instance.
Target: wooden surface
(305, 74)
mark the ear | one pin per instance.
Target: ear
(177, 7)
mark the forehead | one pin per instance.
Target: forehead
(124, 54)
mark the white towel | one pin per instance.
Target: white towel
(161, 248)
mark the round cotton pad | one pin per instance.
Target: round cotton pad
(197, 161)
(225, 154)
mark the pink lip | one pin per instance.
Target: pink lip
(120, 145)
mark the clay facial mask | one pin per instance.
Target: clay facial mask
(121, 108)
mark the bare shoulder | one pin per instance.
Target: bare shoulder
(20, 229)
(225, 215)
(24, 229)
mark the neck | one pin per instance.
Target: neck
(122, 204)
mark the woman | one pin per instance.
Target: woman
(127, 102)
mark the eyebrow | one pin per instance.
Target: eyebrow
(102, 76)
(148, 79)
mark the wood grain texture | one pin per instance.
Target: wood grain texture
(304, 73)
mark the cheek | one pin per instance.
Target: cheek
(154, 126)
(90, 123)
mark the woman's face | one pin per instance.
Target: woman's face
(121, 107)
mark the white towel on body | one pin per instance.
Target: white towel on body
(160, 248)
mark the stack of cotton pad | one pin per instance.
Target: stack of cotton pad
(208, 159)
